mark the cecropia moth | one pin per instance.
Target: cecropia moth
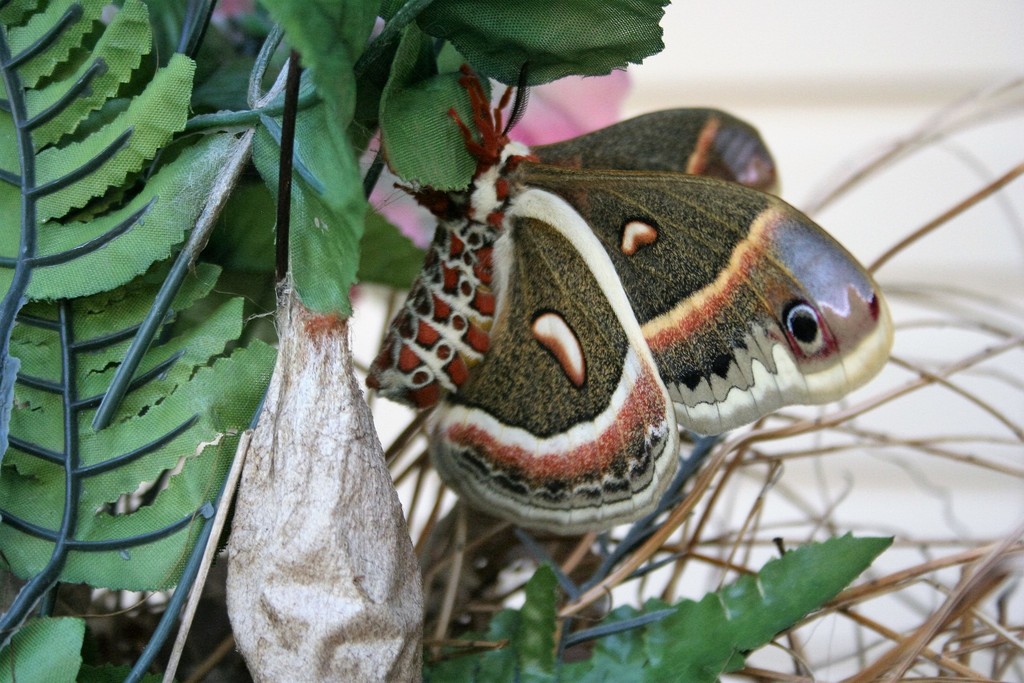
(582, 301)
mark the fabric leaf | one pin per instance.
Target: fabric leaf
(48, 649)
(551, 39)
(690, 641)
(136, 134)
(423, 142)
(63, 25)
(700, 641)
(327, 215)
(69, 139)
(111, 249)
(178, 422)
(110, 63)
(329, 37)
(327, 208)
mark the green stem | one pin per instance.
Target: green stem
(246, 118)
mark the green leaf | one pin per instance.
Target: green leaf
(44, 651)
(40, 180)
(111, 249)
(40, 29)
(424, 145)
(553, 39)
(183, 413)
(700, 641)
(111, 62)
(492, 665)
(149, 122)
(387, 256)
(694, 641)
(530, 632)
(535, 637)
(329, 35)
(327, 208)
(618, 656)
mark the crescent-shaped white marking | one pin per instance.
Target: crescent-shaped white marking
(555, 335)
(561, 217)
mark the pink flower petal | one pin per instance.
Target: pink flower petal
(572, 106)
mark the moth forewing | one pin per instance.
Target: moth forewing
(565, 424)
(746, 304)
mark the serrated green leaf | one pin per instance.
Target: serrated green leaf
(39, 350)
(165, 209)
(13, 13)
(387, 257)
(553, 39)
(535, 636)
(185, 418)
(696, 642)
(43, 24)
(530, 632)
(796, 584)
(150, 121)
(45, 181)
(616, 657)
(424, 145)
(115, 56)
(492, 665)
(9, 161)
(224, 395)
(44, 651)
(389, 7)
(702, 640)
(114, 316)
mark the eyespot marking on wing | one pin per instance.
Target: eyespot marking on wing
(635, 234)
(554, 334)
(807, 335)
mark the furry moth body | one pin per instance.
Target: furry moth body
(583, 301)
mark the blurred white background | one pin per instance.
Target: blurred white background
(827, 83)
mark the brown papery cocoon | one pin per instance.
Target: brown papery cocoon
(323, 583)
